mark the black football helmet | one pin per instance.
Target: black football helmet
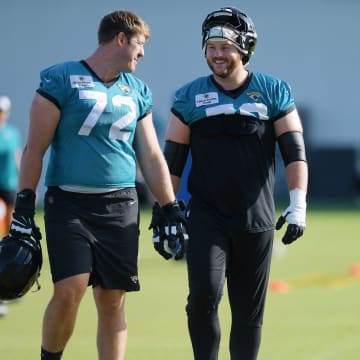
(20, 265)
(231, 24)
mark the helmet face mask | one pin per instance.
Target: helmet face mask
(20, 265)
(231, 24)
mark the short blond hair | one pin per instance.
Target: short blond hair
(121, 21)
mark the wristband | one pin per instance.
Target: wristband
(298, 199)
(25, 202)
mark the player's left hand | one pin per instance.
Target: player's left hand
(295, 216)
(169, 230)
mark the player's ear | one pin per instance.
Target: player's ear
(121, 38)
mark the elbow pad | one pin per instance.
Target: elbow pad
(175, 155)
(292, 147)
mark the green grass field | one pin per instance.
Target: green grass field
(318, 318)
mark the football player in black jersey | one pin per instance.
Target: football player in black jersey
(231, 121)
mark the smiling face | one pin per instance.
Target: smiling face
(135, 50)
(223, 58)
(121, 37)
(127, 51)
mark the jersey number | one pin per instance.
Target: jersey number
(116, 131)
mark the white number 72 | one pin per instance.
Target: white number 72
(115, 131)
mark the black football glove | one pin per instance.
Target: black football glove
(295, 216)
(158, 225)
(169, 230)
(23, 222)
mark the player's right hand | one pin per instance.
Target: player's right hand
(23, 222)
(169, 230)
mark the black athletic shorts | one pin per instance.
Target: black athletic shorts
(94, 233)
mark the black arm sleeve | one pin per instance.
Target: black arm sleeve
(176, 155)
(292, 147)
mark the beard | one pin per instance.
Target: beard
(224, 70)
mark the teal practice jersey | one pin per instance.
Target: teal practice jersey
(93, 143)
(263, 97)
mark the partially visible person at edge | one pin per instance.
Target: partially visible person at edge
(96, 116)
(10, 154)
(231, 121)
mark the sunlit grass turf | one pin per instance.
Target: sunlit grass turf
(317, 319)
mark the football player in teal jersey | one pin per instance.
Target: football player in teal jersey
(95, 116)
(231, 121)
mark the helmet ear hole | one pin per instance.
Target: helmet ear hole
(20, 265)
